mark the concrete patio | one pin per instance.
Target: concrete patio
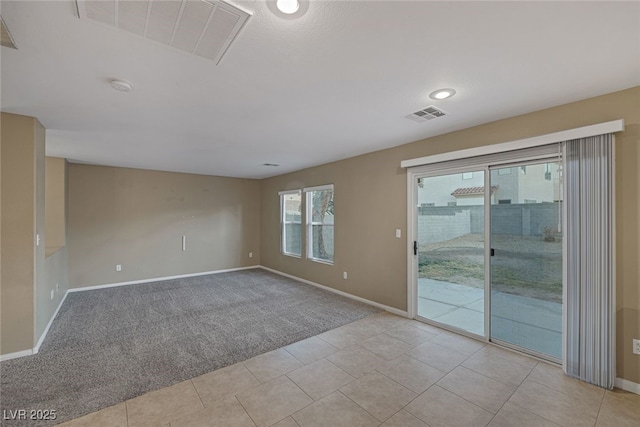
(519, 320)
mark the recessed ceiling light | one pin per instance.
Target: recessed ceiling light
(270, 164)
(288, 6)
(121, 85)
(442, 94)
(288, 9)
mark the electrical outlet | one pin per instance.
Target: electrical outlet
(250, 254)
(398, 233)
(118, 267)
(344, 275)
(51, 293)
(636, 346)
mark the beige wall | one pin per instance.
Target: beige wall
(137, 218)
(55, 270)
(1, 320)
(27, 278)
(55, 203)
(371, 202)
(42, 300)
(18, 232)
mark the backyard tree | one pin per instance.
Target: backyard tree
(322, 204)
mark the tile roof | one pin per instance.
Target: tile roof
(469, 191)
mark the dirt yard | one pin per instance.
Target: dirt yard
(522, 265)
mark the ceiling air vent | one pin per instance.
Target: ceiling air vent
(202, 27)
(427, 114)
(7, 40)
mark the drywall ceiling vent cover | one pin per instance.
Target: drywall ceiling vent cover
(427, 114)
(203, 28)
(7, 40)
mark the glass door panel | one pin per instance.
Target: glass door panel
(450, 248)
(526, 258)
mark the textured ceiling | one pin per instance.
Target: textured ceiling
(337, 82)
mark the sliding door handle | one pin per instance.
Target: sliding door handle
(415, 247)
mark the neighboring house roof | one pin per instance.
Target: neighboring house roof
(472, 191)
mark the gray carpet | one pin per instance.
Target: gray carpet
(109, 345)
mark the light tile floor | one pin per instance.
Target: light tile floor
(380, 371)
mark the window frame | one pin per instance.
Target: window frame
(284, 222)
(310, 223)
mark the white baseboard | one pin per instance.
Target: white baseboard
(36, 349)
(627, 385)
(157, 279)
(40, 341)
(335, 291)
(15, 355)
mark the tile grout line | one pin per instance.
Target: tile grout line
(294, 356)
(525, 409)
(247, 412)
(563, 392)
(416, 393)
(305, 393)
(300, 388)
(249, 370)
(197, 392)
(375, 370)
(600, 407)
(463, 398)
(496, 380)
(512, 393)
(294, 420)
(535, 413)
(359, 406)
(419, 394)
(492, 345)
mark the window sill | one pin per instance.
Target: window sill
(321, 261)
(291, 255)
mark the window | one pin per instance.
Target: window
(467, 175)
(320, 223)
(291, 222)
(503, 201)
(452, 203)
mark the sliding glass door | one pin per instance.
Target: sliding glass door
(488, 253)
(450, 249)
(526, 258)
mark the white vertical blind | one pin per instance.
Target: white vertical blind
(590, 328)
